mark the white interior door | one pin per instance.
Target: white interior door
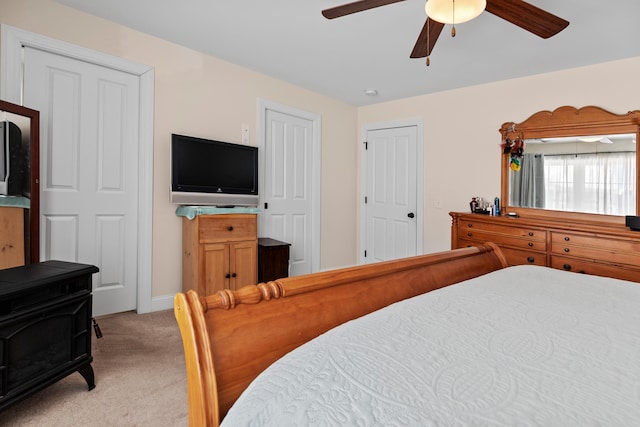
(288, 211)
(89, 165)
(391, 210)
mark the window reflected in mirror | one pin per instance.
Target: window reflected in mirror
(591, 174)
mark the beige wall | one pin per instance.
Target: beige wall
(200, 95)
(461, 138)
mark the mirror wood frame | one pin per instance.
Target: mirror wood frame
(34, 169)
(563, 122)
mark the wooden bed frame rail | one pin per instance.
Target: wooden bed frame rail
(231, 337)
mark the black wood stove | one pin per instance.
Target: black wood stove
(45, 327)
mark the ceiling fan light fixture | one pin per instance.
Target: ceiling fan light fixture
(454, 11)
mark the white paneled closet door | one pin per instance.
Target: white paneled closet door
(89, 169)
(391, 193)
(288, 189)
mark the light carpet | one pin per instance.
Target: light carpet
(140, 380)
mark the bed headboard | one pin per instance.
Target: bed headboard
(232, 336)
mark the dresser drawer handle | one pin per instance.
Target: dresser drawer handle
(566, 238)
(230, 228)
(531, 233)
(530, 259)
(567, 250)
(469, 234)
(469, 225)
(530, 244)
(567, 267)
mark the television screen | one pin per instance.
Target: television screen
(12, 160)
(205, 171)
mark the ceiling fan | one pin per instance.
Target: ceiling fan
(441, 12)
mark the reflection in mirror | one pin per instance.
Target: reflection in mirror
(15, 150)
(19, 189)
(578, 163)
(591, 174)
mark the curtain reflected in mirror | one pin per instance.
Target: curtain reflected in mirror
(590, 174)
(527, 185)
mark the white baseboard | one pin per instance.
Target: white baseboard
(164, 302)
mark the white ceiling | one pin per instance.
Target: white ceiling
(341, 58)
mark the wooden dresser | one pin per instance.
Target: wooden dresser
(11, 236)
(219, 252)
(601, 249)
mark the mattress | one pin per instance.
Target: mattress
(525, 346)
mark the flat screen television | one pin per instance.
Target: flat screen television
(12, 160)
(209, 172)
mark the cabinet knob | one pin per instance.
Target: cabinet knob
(230, 228)
(567, 250)
(531, 234)
(226, 276)
(469, 225)
(567, 267)
(233, 274)
(530, 244)
(469, 234)
(566, 238)
(530, 259)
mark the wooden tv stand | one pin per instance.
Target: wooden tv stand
(219, 252)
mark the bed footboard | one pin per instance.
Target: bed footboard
(232, 336)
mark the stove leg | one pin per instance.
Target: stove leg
(87, 373)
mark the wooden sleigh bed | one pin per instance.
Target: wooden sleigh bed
(230, 338)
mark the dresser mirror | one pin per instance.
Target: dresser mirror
(579, 161)
(19, 185)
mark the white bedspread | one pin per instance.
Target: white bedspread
(523, 346)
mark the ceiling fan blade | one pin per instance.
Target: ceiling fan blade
(527, 16)
(420, 50)
(356, 6)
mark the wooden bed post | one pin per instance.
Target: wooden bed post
(201, 381)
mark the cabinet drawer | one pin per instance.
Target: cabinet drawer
(504, 240)
(529, 233)
(596, 248)
(226, 228)
(518, 257)
(592, 253)
(598, 269)
(603, 242)
(514, 256)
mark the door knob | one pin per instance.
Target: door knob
(410, 214)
